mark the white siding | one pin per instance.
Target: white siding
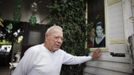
(115, 17)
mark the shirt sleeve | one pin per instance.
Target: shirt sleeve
(25, 64)
(70, 59)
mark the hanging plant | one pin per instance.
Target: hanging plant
(17, 10)
(33, 20)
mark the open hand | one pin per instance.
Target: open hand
(96, 54)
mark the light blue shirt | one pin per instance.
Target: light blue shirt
(38, 60)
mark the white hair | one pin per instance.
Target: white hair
(53, 28)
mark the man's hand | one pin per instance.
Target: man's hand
(96, 54)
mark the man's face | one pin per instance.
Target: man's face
(54, 40)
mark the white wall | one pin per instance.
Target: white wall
(133, 11)
(127, 14)
(118, 28)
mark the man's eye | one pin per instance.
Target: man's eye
(56, 37)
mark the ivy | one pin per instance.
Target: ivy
(70, 14)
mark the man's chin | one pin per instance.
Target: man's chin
(55, 49)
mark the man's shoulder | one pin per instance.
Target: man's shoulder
(62, 51)
(34, 48)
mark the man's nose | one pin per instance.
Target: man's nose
(59, 40)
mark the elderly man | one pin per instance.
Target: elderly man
(47, 58)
